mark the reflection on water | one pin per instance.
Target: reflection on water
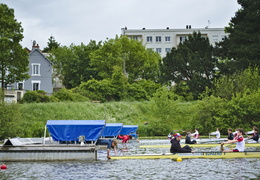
(136, 169)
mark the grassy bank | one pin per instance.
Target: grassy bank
(34, 116)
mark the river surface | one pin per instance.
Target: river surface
(154, 169)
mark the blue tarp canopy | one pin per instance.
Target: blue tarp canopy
(112, 129)
(70, 130)
(128, 129)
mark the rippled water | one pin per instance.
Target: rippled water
(136, 168)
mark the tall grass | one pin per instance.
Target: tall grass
(35, 115)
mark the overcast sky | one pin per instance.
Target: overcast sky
(76, 21)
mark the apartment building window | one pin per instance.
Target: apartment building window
(183, 38)
(167, 50)
(159, 50)
(134, 37)
(215, 38)
(158, 39)
(167, 38)
(149, 39)
(36, 69)
(36, 85)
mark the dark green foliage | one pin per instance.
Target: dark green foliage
(228, 86)
(72, 64)
(35, 97)
(193, 63)
(240, 112)
(10, 116)
(98, 90)
(67, 95)
(13, 58)
(133, 58)
(52, 45)
(241, 49)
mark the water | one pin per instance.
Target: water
(201, 169)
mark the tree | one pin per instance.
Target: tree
(241, 48)
(52, 44)
(135, 61)
(72, 64)
(247, 82)
(191, 63)
(13, 58)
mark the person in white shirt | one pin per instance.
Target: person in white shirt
(196, 134)
(216, 133)
(251, 132)
(239, 140)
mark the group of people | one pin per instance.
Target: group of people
(112, 143)
(233, 137)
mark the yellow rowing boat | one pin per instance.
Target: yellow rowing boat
(199, 145)
(196, 155)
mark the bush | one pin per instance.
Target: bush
(10, 115)
(67, 95)
(35, 96)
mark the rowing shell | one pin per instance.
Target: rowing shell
(199, 145)
(196, 155)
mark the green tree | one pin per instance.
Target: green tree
(52, 44)
(241, 48)
(72, 64)
(13, 58)
(232, 85)
(192, 62)
(131, 55)
(10, 116)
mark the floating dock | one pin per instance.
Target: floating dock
(13, 150)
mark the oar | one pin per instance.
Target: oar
(222, 146)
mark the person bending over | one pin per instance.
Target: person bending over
(110, 144)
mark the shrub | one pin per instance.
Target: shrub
(35, 96)
(67, 95)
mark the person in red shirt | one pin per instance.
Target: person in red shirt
(239, 140)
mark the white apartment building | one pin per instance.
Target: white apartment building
(163, 40)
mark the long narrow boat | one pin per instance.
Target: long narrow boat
(196, 155)
(199, 145)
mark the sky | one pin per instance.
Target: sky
(79, 21)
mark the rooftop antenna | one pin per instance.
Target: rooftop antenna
(209, 23)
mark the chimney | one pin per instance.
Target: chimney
(35, 46)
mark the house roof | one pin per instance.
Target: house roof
(43, 54)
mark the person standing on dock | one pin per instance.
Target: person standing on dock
(230, 134)
(110, 144)
(176, 147)
(239, 140)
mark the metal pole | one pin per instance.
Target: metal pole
(44, 134)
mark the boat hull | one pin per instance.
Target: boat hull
(47, 153)
(199, 145)
(197, 155)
